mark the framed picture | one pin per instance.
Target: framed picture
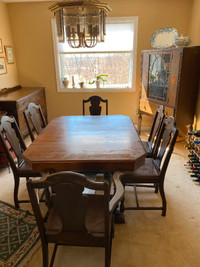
(9, 54)
(3, 69)
(1, 46)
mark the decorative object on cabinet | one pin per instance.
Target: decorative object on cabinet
(182, 41)
(170, 77)
(1, 46)
(3, 69)
(9, 54)
(163, 38)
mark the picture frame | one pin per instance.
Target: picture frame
(3, 69)
(1, 46)
(9, 54)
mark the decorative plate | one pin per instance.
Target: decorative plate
(163, 38)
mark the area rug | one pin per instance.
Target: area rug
(18, 236)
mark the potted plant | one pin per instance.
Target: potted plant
(98, 79)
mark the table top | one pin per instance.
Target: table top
(81, 143)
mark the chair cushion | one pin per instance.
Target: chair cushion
(146, 173)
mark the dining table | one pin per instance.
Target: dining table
(87, 143)
(105, 144)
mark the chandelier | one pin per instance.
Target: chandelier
(80, 23)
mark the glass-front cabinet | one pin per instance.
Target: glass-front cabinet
(158, 76)
(170, 77)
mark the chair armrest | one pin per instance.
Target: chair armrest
(119, 191)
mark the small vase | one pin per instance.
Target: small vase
(98, 83)
(65, 82)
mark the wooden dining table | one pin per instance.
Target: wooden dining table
(87, 143)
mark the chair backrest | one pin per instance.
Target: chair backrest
(35, 120)
(156, 127)
(64, 195)
(167, 139)
(12, 141)
(95, 108)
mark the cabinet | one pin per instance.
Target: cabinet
(170, 77)
(14, 101)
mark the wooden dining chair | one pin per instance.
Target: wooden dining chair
(14, 147)
(74, 218)
(158, 121)
(35, 120)
(95, 108)
(154, 170)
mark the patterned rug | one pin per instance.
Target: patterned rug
(18, 236)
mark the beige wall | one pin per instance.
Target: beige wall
(31, 31)
(9, 79)
(195, 36)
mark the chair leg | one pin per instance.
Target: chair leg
(112, 229)
(162, 193)
(16, 189)
(156, 187)
(139, 123)
(107, 256)
(45, 254)
(122, 205)
(53, 255)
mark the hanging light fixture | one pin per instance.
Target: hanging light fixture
(80, 23)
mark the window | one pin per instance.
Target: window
(115, 57)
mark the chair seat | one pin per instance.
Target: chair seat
(146, 173)
(94, 218)
(26, 169)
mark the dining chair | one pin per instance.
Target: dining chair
(35, 120)
(74, 218)
(154, 170)
(95, 108)
(158, 121)
(14, 147)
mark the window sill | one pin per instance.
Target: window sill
(81, 90)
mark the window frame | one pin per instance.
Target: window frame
(58, 70)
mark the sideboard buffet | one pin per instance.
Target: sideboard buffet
(14, 101)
